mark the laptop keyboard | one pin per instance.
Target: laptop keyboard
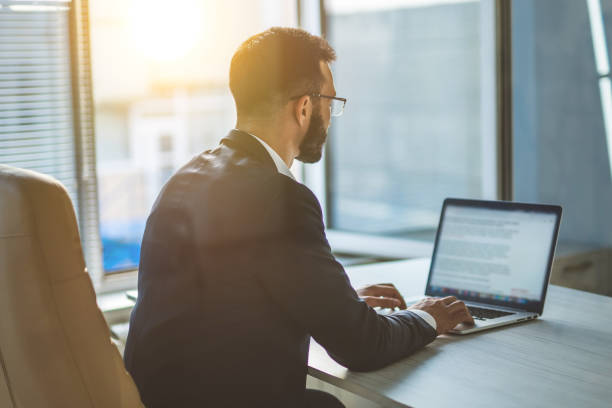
(484, 314)
(477, 313)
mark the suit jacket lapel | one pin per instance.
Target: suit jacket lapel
(248, 145)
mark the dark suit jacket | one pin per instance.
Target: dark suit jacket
(235, 276)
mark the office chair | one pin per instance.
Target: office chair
(55, 347)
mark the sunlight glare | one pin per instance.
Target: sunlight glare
(166, 30)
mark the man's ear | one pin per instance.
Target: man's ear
(303, 110)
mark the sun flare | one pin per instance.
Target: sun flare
(165, 30)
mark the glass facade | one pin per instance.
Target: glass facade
(419, 125)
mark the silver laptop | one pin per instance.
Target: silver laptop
(496, 257)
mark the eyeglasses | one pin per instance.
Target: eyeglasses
(336, 107)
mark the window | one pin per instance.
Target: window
(563, 113)
(419, 125)
(161, 97)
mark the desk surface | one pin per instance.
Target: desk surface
(564, 358)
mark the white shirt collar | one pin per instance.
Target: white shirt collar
(281, 167)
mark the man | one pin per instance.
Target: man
(236, 273)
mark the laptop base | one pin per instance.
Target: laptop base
(463, 328)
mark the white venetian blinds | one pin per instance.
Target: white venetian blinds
(36, 121)
(46, 118)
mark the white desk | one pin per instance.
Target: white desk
(563, 358)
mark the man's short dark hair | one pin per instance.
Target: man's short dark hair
(273, 66)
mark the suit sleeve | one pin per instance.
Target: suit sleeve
(302, 276)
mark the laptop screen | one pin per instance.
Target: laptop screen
(494, 252)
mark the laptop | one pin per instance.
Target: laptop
(495, 256)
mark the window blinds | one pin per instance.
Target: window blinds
(46, 117)
(36, 123)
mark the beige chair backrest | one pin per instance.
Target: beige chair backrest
(55, 347)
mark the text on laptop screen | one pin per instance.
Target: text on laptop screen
(493, 253)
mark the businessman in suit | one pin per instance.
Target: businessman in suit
(236, 273)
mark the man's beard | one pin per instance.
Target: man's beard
(311, 147)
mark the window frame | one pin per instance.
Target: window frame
(84, 131)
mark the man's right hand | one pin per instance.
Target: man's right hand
(448, 312)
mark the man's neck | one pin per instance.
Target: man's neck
(272, 136)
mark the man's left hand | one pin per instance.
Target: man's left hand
(383, 295)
